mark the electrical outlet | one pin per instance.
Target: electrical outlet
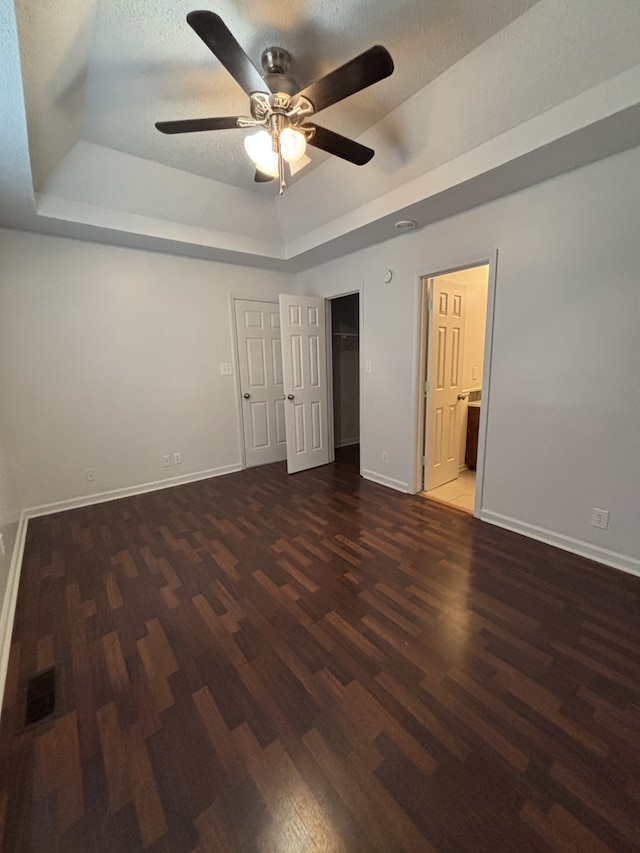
(2, 549)
(385, 456)
(166, 460)
(177, 458)
(225, 368)
(90, 474)
(600, 518)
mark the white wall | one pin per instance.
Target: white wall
(10, 507)
(9, 516)
(474, 335)
(10, 512)
(109, 359)
(564, 414)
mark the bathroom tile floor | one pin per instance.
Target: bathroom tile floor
(460, 492)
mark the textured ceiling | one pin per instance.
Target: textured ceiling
(105, 71)
(486, 99)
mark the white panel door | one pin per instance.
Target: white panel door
(444, 372)
(261, 387)
(304, 360)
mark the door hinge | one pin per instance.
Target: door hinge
(426, 387)
(424, 461)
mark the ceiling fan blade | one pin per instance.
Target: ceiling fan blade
(190, 125)
(369, 67)
(262, 177)
(339, 145)
(218, 38)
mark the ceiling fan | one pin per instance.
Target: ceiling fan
(276, 104)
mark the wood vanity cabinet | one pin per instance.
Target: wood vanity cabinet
(473, 425)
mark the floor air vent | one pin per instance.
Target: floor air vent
(41, 697)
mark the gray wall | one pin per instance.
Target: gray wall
(564, 412)
(110, 359)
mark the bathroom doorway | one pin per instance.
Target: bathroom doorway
(453, 368)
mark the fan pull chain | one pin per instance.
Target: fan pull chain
(275, 141)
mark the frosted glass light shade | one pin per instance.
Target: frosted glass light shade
(292, 144)
(258, 147)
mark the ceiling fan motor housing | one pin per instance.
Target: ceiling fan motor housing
(276, 62)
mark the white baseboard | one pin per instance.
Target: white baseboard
(398, 485)
(7, 615)
(566, 543)
(141, 489)
(8, 612)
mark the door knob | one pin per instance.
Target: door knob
(462, 396)
(290, 396)
(246, 395)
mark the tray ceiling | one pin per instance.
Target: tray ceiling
(83, 82)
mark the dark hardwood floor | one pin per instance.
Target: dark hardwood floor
(261, 662)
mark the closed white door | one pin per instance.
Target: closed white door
(261, 387)
(447, 306)
(304, 359)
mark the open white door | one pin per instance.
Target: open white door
(304, 363)
(260, 370)
(444, 381)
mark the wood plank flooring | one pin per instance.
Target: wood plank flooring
(261, 662)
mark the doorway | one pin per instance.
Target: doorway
(259, 359)
(453, 348)
(345, 374)
(283, 383)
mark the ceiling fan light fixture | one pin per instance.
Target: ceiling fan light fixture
(293, 144)
(299, 164)
(260, 149)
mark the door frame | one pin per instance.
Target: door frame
(360, 294)
(235, 362)
(423, 295)
(234, 297)
(303, 330)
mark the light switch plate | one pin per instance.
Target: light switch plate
(225, 368)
